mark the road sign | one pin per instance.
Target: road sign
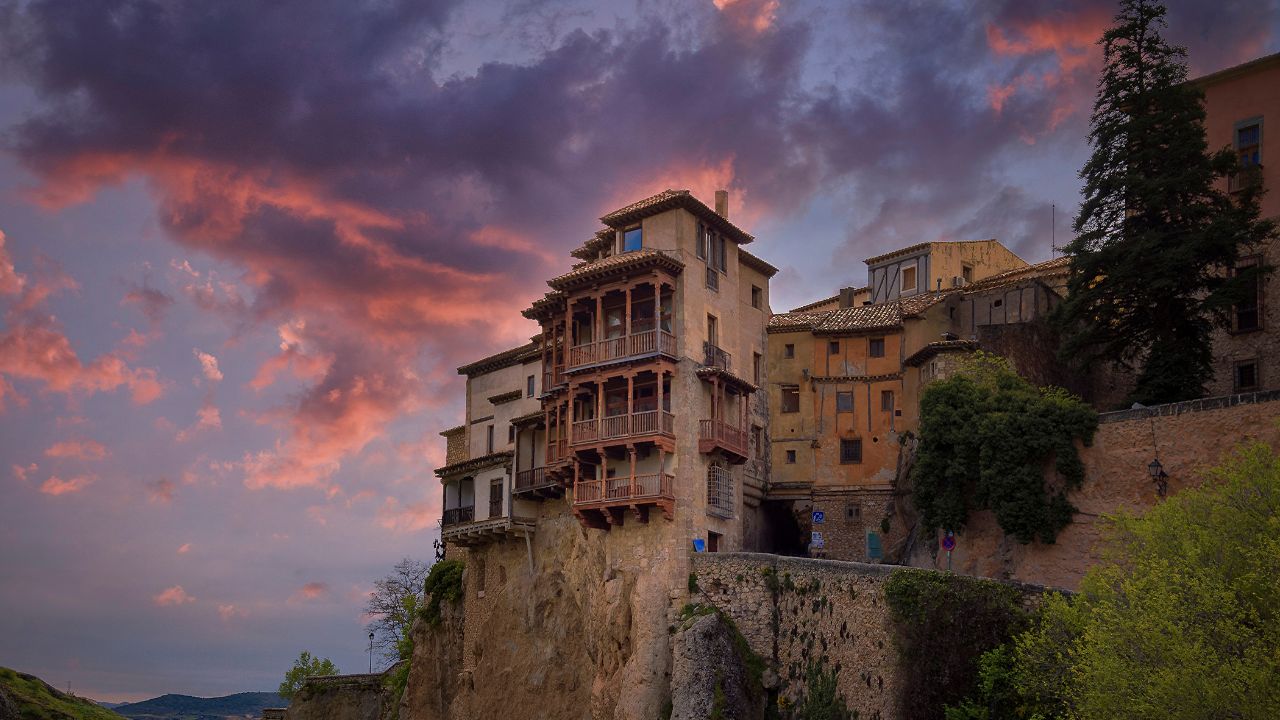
(815, 539)
(819, 517)
(949, 542)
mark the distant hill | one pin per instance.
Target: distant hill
(27, 697)
(186, 707)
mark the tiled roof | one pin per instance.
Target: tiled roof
(941, 346)
(535, 416)
(505, 397)
(819, 303)
(594, 245)
(588, 272)
(741, 384)
(1057, 267)
(476, 463)
(668, 199)
(506, 358)
(453, 431)
(855, 319)
(756, 263)
(549, 303)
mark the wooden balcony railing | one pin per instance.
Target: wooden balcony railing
(722, 434)
(553, 378)
(453, 516)
(528, 479)
(623, 489)
(620, 426)
(715, 357)
(557, 450)
(625, 346)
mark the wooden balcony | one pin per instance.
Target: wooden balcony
(479, 532)
(454, 516)
(626, 347)
(552, 379)
(623, 427)
(537, 484)
(603, 503)
(714, 357)
(719, 435)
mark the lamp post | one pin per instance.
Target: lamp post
(371, 652)
(1154, 468)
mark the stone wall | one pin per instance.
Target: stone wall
(344, 697)
(1189, 437)
(795, 612)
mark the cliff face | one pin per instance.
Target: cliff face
(572, 625)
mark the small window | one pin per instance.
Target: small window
(1247, 316)
(875, 347)
(788, 351)
(632, 240)
(530, 386)
(757, 297)
(757, 441)
(757, 369)
(489, 439)
(850, 450)
(791, 457)
(966, 273)
(833, 347)
(853, 512)
(511, 434)
(908, 279)
(701, 249)
(713, 335)
(886, 400)
(874, 551)
(713, 541)
(844, 401)
(1246, 376)
(1248, 142)
(790, 398)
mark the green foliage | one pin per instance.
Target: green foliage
(443, 584)
(986, 437)
(1183, 619)
(304, 667)
(719, 702)
(388, 605)
(693, 582)
(37, 700)
(1155, 233)
(943, 624)
(822, 701)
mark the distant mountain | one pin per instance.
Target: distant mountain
(186, 707)
(27, 697)
(109, 705)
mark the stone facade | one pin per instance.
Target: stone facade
(344, 697)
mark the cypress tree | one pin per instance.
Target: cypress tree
(1156, 241)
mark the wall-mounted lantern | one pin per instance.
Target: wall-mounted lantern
(1159, 477)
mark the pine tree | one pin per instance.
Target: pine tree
(1153, 260)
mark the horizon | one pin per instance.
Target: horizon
(241, 257)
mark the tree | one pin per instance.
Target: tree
(986, 436)
(304, 667)
(1156, 247)
(393, 605)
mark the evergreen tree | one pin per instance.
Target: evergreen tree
(1153, 260)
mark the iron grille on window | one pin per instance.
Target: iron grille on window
(719, 491)
(851, 450)
(714, 356)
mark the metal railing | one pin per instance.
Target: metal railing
(495, 507)
(714, 357)
(1244, 177)
(453, 516)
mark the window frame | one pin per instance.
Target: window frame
(789, 457)
(785, 392)
(871, 347)
(854, 457)
(902, 279)
(1235, 375)
(489, 439)
(757, 297)
(757, 368)
(789, 351)
(531, 385)
(1259, 286)
(886, 401)
(847, 406)
(639, 229)
(1235, 140)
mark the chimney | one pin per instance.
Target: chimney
(722, 203)
(846, 297)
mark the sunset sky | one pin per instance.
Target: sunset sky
(245, 246)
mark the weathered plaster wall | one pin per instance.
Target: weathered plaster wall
(1190, 437)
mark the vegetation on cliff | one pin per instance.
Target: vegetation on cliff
(27, 697)
(392, 615)
(304, 667)
(986, 438)
(443, 584)
(1181, 620)
(1153, 263)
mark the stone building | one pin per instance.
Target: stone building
(1239, 102)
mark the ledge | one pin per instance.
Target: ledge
(1188, 406)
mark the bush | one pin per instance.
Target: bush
(443, 584)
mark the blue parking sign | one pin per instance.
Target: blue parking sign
(818, 517)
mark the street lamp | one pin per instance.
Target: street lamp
(1159, 476)
(371, 647)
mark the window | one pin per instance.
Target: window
(511, 434)
(790, 398)
(908, 279)
(875, 347)
(853, 511)
(719, 490)
(874, 551)
(757, 297)
(713, 336)
(713, 279)
(701, 249)
(791, 457)
(495, 498)
(1248, 142)
(844, 401)
(833, 347)
(850, 450)
(632, 239)
(713, 541)
(966, 273)
(886, 400)
(489, 439)
(788, 351)
(1246, 316)
(529, 386)
(1246, 376)
(757, 441)
(756, 369)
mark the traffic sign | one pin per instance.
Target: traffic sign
(819, 517)
(815, 539)
(949, 542)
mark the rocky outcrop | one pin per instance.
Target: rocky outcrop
(344, 697)
(434, 677)
(709, 676)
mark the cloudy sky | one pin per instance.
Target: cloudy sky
(245, 245)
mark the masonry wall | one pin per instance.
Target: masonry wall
(1190, 437)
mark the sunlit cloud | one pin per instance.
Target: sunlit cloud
(22, 472)
(57, 486)
(160, 491)
(77, 450)
(409, 518)
(208, 365)
(172, 596)
(310, 591)
(184, 548)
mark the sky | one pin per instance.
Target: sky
(246, 245)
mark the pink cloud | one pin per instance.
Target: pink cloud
(310, 591)
(160, 491)
(57, 486)
(413, 517)
(21, 473)
(208, 365)
(755, 16)
(208, 417)
(184, 548)
(173, 596)
(11, 283)
(230, 612)
(77, 449)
